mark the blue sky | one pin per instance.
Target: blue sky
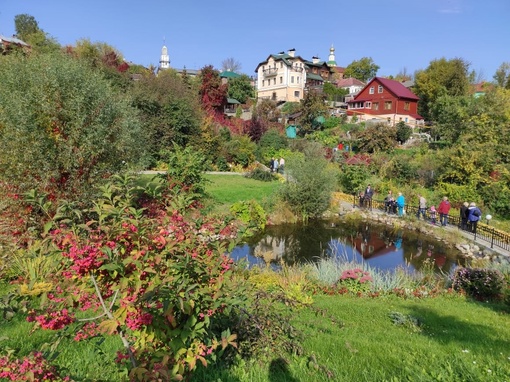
(397, 34)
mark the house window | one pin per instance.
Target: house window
(297, 78)
(273, 97)
(380, 89)
(407, 105)
(296, 94)
(281, 64)
(263, 81)
(274, 81)
(368, 105)
(281, 80)
(375, 106)
(387, 105)
(292, 79)
(372, 90)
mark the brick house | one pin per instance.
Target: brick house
(385, 100)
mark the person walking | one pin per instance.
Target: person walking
(422, 207)
(271, 165)
(444, 209)
(275, 165)
(282, 165)
(432, 213)
(474, 215)
(401, 202)
(369, 193)
(464, 216)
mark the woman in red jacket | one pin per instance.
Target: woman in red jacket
(444, 209)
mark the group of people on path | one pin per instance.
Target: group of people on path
(394, 205)
(365, 198)
(276, 165)
(470, 214)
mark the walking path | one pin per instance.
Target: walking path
(479, 241)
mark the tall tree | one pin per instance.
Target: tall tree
(363, 70)
(312, 108)
(334, 93)
(169, 110)
(267, 111)
(441, 77)
(502, 75)
(25, 25)
(27, 29)
(378, 137)
(240, 88)
(230, 65)
(213, 94)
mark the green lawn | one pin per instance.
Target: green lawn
(355, 339)
(346, 338)
(228, 189)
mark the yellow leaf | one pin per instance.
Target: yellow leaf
(108, 327)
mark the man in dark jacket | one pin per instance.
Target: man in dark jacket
(464, 215)
(367, 196)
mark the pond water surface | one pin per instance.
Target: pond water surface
(380, 246)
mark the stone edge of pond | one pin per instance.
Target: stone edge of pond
(449, 236)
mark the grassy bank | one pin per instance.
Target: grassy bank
(446, 338)
(343, 338)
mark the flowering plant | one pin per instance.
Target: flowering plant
(355, 280)
(479, 283)
(160, 281)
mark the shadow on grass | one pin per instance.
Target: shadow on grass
(451, 329)
(279, 371)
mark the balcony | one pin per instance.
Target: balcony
(270, 72)
(297, 69)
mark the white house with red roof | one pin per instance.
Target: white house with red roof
(352, 85)
(385, 100)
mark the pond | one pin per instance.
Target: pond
(380, 246)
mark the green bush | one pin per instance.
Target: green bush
(479, 283)
(186, 170)
(251, 213)
(309, 188)
(262, 175)
(240, 150)
(403, 132)
(269, 145)
(353, 178)
(65, 129)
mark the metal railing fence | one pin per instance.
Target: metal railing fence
(495, 237)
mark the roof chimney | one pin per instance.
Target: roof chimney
(315, 59)
(291, 52)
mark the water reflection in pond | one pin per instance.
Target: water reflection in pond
(379, 246)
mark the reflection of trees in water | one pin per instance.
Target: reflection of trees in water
(300, 243)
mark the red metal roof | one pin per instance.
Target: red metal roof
(395, 87)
